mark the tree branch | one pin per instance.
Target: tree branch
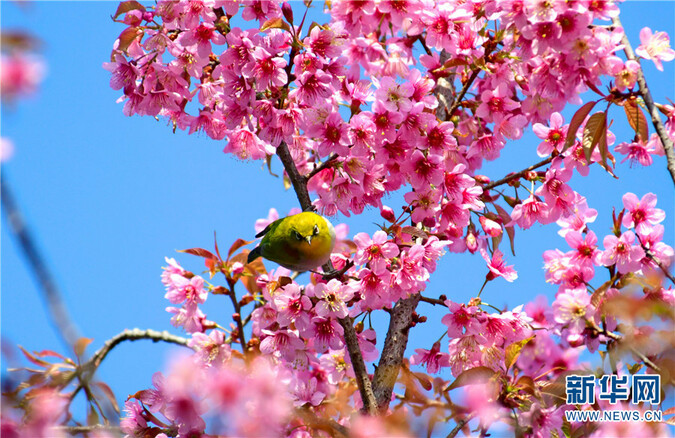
(100, 428)
(362, 380)
(59, 314)
(511, 176)
(649, 101)
(133, 335)
(393, 350)
(329, 161)
(460, 424)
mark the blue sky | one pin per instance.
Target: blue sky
(108, 197)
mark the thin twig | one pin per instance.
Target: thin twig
(434, 301)
(351, 340)
(331, 426)
(641, 356)
(132, 335)
(649, 101)
(237, 310)
(651, 256)
(77, 430)
(511, 176)
(460, 425)
(65, 327)
(329, 162)
(458, 100)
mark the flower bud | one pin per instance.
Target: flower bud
(287, 10)
(482, 179)
(388, 214)
(491, 228)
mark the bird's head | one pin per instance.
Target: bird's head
(305, 231)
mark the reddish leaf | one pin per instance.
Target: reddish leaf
(33, 359)
(81, 345)
(105, 389)
(592, 86)
(669, 411)
(474, 375)
(215, 242)
(200, 252)
(50, 353)
(127, 37)
(236, 245)
(127, 6)
(424, 380)
(526, 384)
(595, 128)
(414, 231)
(577, 119)
(510, 230)
(636, 119)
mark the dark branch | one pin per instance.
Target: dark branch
(649, 101)
(520, 174)
(66, 329)
(326, 164)
(133, 335)
(393, 350)
(360, 371)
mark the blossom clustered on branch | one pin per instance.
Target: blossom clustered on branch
(411, 95)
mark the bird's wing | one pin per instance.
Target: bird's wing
(269, 228)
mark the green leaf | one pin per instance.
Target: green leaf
(472, 376)
(595, 127)
(275, 23)
(513, 351)
(577, 119)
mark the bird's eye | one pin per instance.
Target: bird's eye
(297, 235)
(316, 229)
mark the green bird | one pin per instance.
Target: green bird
(300, 242)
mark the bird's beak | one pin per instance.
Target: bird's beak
(309, 240)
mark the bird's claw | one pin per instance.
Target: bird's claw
(335, 273)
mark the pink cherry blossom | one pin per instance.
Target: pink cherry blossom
(572, 309)
(641, 213)
(621, 252)
(553, 136)
(433, 359)
(376, 251)
(655, 46)
(498, 267)
(333, 297)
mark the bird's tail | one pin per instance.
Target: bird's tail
(254, 254)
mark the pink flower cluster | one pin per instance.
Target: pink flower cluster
(20, 75)
(638, 250)
(234, 399)
(187, 289)
(403, 125)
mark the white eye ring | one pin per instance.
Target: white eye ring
(316, 229)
